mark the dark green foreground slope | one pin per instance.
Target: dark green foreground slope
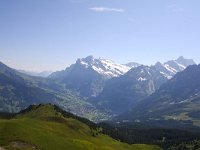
(47, 127)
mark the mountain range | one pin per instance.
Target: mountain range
(178, 100)
(97, 89)
(124, 92)
(88, 75)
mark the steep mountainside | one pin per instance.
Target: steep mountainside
(16, 92)
(88, 75)
(178, 99)
(124, 92)
(47, 127)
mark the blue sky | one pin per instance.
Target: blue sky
(50, 35)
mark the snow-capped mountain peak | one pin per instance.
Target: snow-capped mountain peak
(104, 67)
(170, 68)
(178, 65)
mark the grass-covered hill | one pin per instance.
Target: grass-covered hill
(47, 127)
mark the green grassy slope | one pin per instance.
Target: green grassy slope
(45, 128)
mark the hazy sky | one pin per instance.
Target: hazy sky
(52, 34)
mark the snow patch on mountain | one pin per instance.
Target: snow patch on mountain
(180, 65)
(141, 79)
(169, 68)
(166, 75)
(85, 64)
